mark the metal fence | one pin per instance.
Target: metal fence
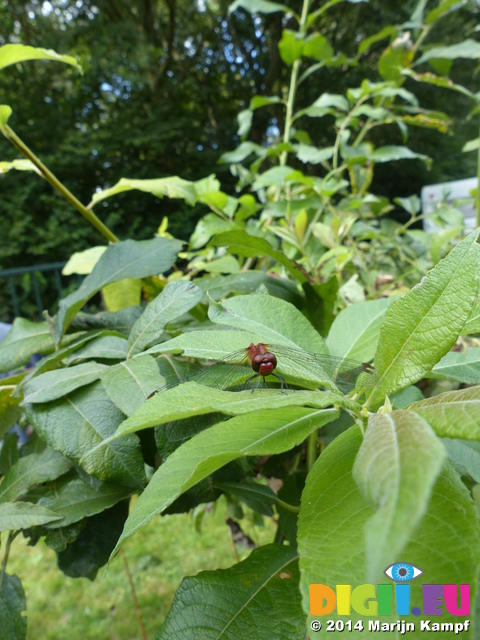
(12, 275)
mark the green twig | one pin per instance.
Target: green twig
(293, 85)
(12, 137)
(134, 595)
(11, 537)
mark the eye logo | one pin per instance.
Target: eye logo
(402, 572)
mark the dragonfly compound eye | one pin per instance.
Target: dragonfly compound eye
(264, 363)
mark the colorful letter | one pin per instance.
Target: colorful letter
(322, 599)
(402, 597)
(432, 598)
(384, 597)
(363, 600)
(451, 599)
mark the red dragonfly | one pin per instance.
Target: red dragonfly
(309, 369)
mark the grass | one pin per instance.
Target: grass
(159, 556)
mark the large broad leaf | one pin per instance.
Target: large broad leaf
(13, 605)
(122, 294)
(392, 152)
(462, 366)
(5, 113)
(258, 6)
(233, 603)
(9, 410)
(30, 470)
(291, 46)
(128, 384)
(55, 384)
(438, 81)
(469, 49)
(422, 326)
(172, 187)
(127, 259)
(453, 414)
(395, 470)
(121, 321)
(464, 456)
(176, 299)
(13, 53)
(90, 551)
(193, 399)
(242, 244)
(23, 340)
(264, 432)
(24, 515)
(277, 321)
(355, 331)
(101, 348)
(249, 282)
(76, 499)
(76, 424)
(445, 544)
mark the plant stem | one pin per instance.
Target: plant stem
(288, 507)
(56, 184)
(293, 85)
(311, 450)
(11, 537)
(134, 594)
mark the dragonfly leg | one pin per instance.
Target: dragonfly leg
(249, 383)
(282, 380)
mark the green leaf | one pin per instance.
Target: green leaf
(76, 424)
(327, 101)
(333, 509)
(469, 49)
(90, 551)
(243, 150)
(471, 145)
(9, 410)
(264, 432)
(82, 262)
(129, 384)
(393, 60)
(275, 320)
(12, 608)
(122, 294)
(172, 187)
(13, 53)
(9, 454)
(387, 32)
(208, 226)
(258, 497)
(23, 340)
(103, 347)
(55, 384)
(35, 468)
(395, 470)
(461, 366)
(291, 46)
(24, 515)
(121, 321)
(392, 152)
(5, 113)
(263, 101)
(447, 6)
(355, 331)
(464, 456)
(308, 154)
(241, 243)
(420, 327)
(191, 399)
(453, 414)
(248, 282)
(257, 6)
(317, 47)
(276, 177)
(176, 299)
(438, 81)
(76, 499)
(121, 260)
(232, 602)
(18, 165)
(244, 119)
